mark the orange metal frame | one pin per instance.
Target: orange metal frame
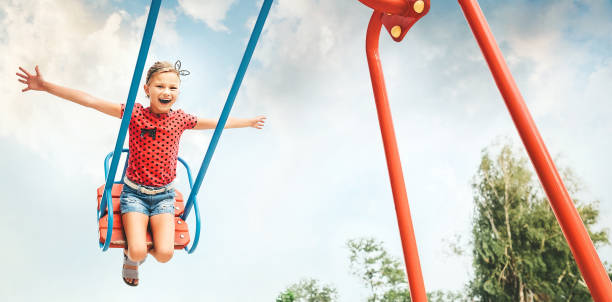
(398, 16)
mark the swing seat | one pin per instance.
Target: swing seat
(181, 230)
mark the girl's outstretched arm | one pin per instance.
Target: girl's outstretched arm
(36, 82)
(256, 122)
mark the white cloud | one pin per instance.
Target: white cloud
(210, 12)
(77, 48)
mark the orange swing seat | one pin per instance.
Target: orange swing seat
(181, 230)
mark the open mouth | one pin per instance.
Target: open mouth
(165, 101)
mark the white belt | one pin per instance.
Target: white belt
(142, 189)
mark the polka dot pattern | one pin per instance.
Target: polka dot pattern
(153, 143)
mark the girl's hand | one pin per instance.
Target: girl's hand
(257, 122)
(34, 82)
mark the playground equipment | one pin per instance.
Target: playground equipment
(108, 194)
(398, 16)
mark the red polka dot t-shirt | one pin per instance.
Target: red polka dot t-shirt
(154, 141)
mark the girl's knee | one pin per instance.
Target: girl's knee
(164, 255)
(137, 253)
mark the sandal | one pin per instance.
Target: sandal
(130, 273)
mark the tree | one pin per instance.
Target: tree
(446, 296)
(308, 291)
(519, 251)
(384, 275)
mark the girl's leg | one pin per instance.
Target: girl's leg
(135, 229)
(162, 227)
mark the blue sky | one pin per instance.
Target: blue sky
(279, 204)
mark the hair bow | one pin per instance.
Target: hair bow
(177, 66)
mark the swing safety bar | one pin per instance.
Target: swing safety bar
(398, 16)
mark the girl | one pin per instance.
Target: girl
(154, 133)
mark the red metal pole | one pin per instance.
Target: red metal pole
(397, 7)
(411, 254)
(572, 226)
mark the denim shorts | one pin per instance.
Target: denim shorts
(135, 201)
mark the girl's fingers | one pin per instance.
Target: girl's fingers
(37, 71)
(24, 71)
(25, 89)
(21, 75)
(22, 81)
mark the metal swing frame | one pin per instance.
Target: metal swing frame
(398, 16)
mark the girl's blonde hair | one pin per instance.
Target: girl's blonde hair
(160, 67)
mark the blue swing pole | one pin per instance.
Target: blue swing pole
(261, 19)
(125, 121)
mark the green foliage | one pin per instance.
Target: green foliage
(520, 253)
(286, 296)
(384, 274)
(308, 291)
(381, 273)
(446, 296)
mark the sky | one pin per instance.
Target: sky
(279, 204)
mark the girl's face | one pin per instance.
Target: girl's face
(163, 90)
